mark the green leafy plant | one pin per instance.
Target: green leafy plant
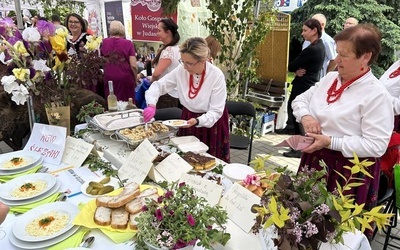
(95, 163)
(180, 218)
(304, 213)
(89, 110)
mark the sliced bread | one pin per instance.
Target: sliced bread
(102, 216)
(147, 192)
(119, 218)
(129, 192)
(132, 222)
(134, 206)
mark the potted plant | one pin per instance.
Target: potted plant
(304, 214)
(179, 219)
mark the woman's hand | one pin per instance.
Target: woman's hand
(300, 72)
(191, 122)
(320, 142)
(310, 125)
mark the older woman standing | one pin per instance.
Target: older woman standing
(121, 65)
(348, 111)
(202, 91)
(77, 29)
(167, 59)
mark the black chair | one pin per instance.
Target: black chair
(247, 110)
(168, 114)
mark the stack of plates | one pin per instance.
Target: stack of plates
(9, 194)
(29, 160)
(62, 229)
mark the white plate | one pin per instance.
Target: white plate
(8, 188)
(29, 157)
(175, 123)
(52, 191)
(184, 139)
(4, 173)
(42, 244)
(113, 182)
(195, 147)
(60, 207)
(236, 171)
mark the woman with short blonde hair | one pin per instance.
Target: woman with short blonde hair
(117, 29)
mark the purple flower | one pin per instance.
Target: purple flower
(45, 46)
(145, 208)
(171, 212)
(191, 220)
(158, 214)
(168, 194)
(13, 40)
(160, 199)
(182, 184)
(180, 244)
(46, 29)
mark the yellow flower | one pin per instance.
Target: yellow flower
(21, 74)
(58, 41)
(20, 48)
(93, 43)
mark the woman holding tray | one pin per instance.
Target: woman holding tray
(202, 92)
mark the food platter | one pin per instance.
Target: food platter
(6, 173)
(176, 123)
(52, 191)
(113, 182)
(27, 186)
(64, 213)
(18, 160)
(42, 244)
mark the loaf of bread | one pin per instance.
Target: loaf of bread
(102, 216)
(119, 218)
(132, 222)
(129, 192)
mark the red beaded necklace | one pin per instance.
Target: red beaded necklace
(193, 90)
(395, 73)
(334, 95)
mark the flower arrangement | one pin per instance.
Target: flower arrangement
(38, 60)
(180, 218)
(305, 214)
(89, 110)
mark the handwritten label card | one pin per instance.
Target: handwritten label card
(146, 150)
(49, 141)
(76, 151)
(172, 167)
(266, 237)
(135, 168)
(237, 202)
(207, 189)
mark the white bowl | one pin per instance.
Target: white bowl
(237, 172)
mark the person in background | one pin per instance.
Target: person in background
(309, 63)
(3, 211)
(167, 59)
(215, 47)
(391, 80)
(348, 112)
(202, 91)
(55, 19)
(121, 66)
(329, 44)
(77, 29)
(351, 21)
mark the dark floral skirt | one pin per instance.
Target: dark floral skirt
(216, 137)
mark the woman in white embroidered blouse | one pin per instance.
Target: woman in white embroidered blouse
(77, 29)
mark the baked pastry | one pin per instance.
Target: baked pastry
(199, 162)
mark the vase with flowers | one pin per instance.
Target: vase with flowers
(304, 214)
(179, 219)
(38, 60)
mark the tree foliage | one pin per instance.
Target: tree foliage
(385, 17)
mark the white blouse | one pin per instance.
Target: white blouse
(393, 86)
(360, 121)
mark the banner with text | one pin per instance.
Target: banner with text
(145, 17)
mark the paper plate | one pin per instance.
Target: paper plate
(176, 123)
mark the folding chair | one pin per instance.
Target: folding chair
(246, 109)
(168, 114)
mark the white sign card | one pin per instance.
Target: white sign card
(238, 202)
(207, 189)
(146, 150)
(155, 175)
(172, 167)
(76, 151)
(48, 141)
(135, 168)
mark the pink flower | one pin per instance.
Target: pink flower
(169, 194)
(182, 184)
(252, 179)
(191, 220)
(159, 214)
(160, 199)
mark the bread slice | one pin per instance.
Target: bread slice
(147, 192)
(134, 206)
(102, 216)
(119, 218)
(129, 192)
(153, 197)
(132, 223)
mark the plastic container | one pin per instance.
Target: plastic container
(184, 139)
(197, 147)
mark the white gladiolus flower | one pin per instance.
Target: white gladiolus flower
(9, 83)
(20, 95)
(40, 65)
(31, 35)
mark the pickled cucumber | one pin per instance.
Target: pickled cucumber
(105, 180)
(96, 184)
(89, 189)
(105, 190)
(95, 191)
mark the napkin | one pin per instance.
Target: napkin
(72, 241)
(297, 142)
(25, 208)
(6, 178)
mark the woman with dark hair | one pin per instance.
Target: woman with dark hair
(167, 59)
(77, 29)
(202, 92)
(348, 112)
(306, 66)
